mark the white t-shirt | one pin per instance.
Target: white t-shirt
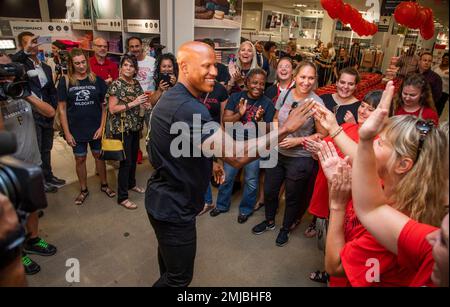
(146, 73)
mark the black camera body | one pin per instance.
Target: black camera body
(14, 81)
(62, 67)
(21, 182)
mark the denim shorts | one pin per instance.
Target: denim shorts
(80, 150)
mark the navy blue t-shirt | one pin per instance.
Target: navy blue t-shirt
(214, 99)
(252, 107)
(175, 192)
(84, 107)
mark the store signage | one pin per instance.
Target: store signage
(142, 26)
(388, 7)
(41, 28)
(82, 24)
(113, 25)
(383, 25)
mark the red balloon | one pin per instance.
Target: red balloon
(335, 8)
(406, 13)
(346, 14)
(355, 15)
(326, 4)
(429, 13)
(374, 29)
(422, 17)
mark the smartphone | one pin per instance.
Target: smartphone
(166, 78)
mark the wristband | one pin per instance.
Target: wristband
(336, 133)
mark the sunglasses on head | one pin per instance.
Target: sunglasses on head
(424, 128)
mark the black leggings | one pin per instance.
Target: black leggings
(296, 173)
(127, 170)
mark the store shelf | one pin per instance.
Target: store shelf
(217, 24)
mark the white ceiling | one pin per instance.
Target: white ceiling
(439, 7)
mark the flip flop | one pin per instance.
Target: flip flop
(138, 190)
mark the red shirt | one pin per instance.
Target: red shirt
(105, 71)
(318, 205)
(427, 113)
(363, 255)
(415, 253)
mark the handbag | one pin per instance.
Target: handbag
(112, 149)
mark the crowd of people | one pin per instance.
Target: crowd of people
(351, 163)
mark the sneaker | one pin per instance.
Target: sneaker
(282, 238)
(56, 181)
(49, 188)
(263, 227)
(215, 212)
(40, 247)
(30, 266)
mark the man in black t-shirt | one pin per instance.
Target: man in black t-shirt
(175, 191)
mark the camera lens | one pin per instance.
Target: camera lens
(7, 186)
(14, 90)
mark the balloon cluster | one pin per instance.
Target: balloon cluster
(415, 16)
(347, 14)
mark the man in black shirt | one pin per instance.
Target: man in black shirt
(175, 191)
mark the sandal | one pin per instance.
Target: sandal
(311, 231)
(138, 190)
(127, 204)
(82, 197)
(108, 191)
(319, 276)
(258, 206)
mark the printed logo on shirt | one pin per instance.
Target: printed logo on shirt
(83, 95)
(12, 110)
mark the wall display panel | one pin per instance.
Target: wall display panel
(107, 15)
(15, 9)
(73, 10)
(141, 9)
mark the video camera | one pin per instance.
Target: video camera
(21, 182)
(16, 85)
(62, 67)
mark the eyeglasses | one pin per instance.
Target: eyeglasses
(424, 128)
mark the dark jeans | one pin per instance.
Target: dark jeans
(296, 173)
(177, 246)
(45, 143)
(127, 170)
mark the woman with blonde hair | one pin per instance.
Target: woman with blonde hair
(246, 61)
(81, 98)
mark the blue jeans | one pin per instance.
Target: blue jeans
(208, 195)
(251, 177)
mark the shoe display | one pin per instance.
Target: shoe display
(283, 237)
(263, 227)
(39, 247)
(30, 266)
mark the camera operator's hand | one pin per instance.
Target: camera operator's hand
(70, 139)
(8, 217)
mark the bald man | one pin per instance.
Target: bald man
(100, 64)
(175, 191)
